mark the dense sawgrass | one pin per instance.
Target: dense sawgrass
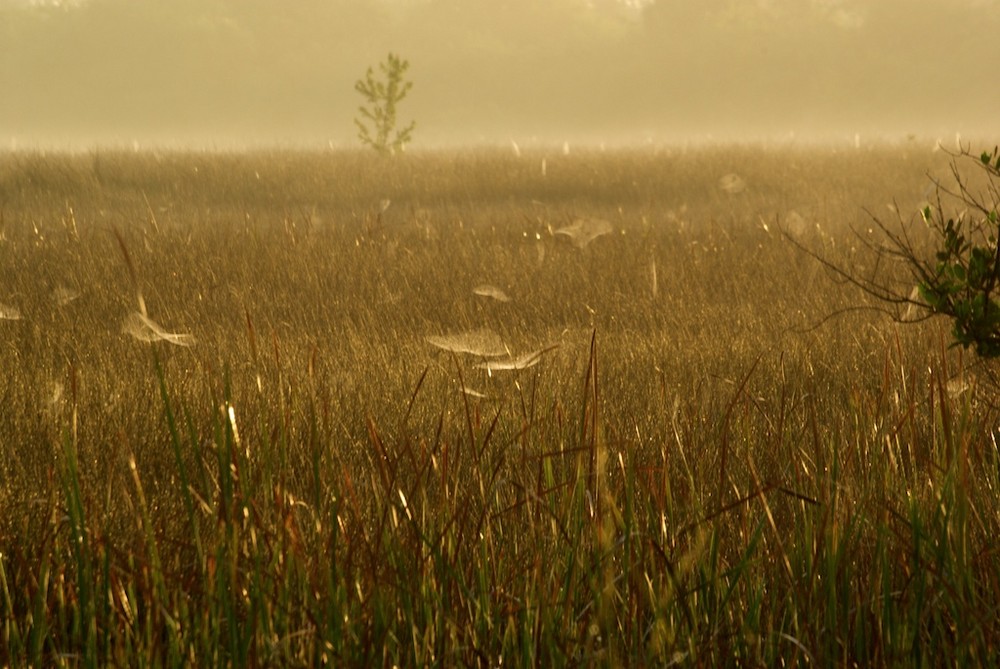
(696, 475)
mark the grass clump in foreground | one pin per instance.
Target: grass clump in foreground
(689, 477)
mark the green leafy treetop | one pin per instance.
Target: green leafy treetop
(962, 281)
(959, 276)
(377, 123)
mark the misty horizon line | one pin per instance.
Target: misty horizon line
(956, 141)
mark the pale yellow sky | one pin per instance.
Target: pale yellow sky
(238, 72)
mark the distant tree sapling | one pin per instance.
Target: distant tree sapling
(377, 121)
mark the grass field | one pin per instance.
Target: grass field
(702, 469)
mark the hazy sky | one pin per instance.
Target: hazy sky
(233, 72)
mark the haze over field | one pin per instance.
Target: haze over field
(238, 72)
